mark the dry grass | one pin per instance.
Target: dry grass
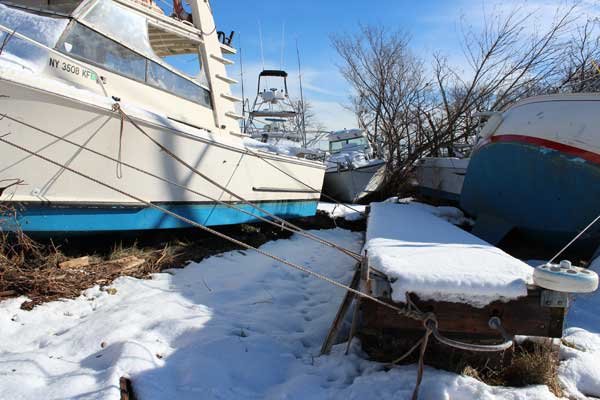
(531, 364)
(34, 270)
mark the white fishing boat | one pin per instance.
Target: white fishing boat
(270, 117)
(352, 172)
(91, 86)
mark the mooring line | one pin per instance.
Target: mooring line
(401, 311)
(429, 319)
(117, 108)
(301, 232)
(573, 240)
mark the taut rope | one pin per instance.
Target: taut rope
(117, 108)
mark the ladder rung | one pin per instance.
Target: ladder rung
(231, 97)
(234, 115)
(226, 79)
(223, 60)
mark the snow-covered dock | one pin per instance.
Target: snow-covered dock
(428, 256)
(412, 250)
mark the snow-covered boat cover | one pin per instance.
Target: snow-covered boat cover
(424, 254)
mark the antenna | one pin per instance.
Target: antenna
(262, 51)
(301, 96)
(282, 43)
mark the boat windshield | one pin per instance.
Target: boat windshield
(122, 24)
(354, 143)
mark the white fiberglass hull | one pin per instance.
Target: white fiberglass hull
(441, 177)
(87, 206)
(350, 185)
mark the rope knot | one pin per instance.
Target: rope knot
(116, 107)
(430, 321)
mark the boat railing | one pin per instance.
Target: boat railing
(13, 33)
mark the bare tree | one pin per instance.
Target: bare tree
(581, 71)
(408, 113)
(306, 123)
(389, 82)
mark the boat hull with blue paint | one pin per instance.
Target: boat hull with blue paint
(536, 169)
(147, 156)
(88, 218)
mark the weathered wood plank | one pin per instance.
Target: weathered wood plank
(341, 313)
(523, 316)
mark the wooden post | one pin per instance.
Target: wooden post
(365, 287)
(365, 275)
(126, 389)
(342, 311)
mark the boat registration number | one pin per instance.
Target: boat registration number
(72, 69)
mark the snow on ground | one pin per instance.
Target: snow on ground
(234, 326)
(436, 260)
(349, 212)
(579, 372)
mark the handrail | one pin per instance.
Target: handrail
(14, 33)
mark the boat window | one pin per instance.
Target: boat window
(336, 146)
(341, 144)
(357, 141)
(121, 23)
(84, 43)
(45, 30)
(42, 29)
(163, 78)
(179, 52)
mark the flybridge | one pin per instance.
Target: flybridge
(116, 39)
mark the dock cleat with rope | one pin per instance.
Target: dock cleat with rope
(564, 277)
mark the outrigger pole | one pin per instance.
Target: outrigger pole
(242, 79)
(301, 96)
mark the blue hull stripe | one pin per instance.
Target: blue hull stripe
(44, 218)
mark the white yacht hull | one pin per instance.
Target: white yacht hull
(53, 199)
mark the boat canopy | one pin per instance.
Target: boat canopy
(274, 72)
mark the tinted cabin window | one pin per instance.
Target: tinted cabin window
(336, 146)
(161, 77)
(86, 44)
(357, 141)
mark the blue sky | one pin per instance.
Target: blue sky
(434, 26)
